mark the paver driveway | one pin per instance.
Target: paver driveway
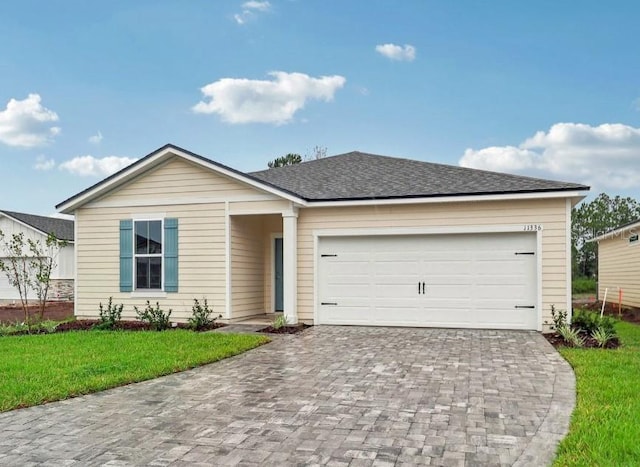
(333, 395)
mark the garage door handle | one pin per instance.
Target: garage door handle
(525, 306)
(423, 289)
(525, 252)
(418, 288)
(328, 303)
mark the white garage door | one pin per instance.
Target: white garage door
(458, 280)
(6, 291)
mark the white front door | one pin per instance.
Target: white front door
(457, 280)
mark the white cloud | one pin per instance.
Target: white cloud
(256, 5)
(606, 156)
(89, 166)
(250, 9)
(96, 139)
(405, 53)
(261, 101)
(27, 123)
(44, 164)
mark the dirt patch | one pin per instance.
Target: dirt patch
(55, 311)
(629, 314)
(291, 329)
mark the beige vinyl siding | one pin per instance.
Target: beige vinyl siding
(247, 260)
(201, 233)
(619, 266)
(551, 213)
(178, 178)
(201, 258)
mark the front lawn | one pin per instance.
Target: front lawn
(40, 368)
(605, 426)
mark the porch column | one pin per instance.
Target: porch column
(290, 265)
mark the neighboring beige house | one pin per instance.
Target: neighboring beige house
(619, 264)
(38, 228)
(351, 239)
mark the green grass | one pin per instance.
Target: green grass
(581, 285)
(605, 426)
(41, 368)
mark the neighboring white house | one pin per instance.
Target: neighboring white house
(38, 228)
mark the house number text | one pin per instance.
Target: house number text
(532, 227)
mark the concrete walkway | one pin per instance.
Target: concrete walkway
(352, 396)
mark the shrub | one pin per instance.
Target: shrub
(559, 318)
(571, 336)
(109, 316)
(155, 316)
(20, 328)
(8, 329)
(201, 315)
(589, 321)
(280, 322)
(602, 336)
(583, 285)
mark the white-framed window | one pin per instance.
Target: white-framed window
(147, 254)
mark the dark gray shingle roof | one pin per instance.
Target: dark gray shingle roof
(357, 175)
(61, 228)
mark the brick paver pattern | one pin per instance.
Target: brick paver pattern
(356, 396)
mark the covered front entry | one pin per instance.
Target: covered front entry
(484, 280)
(260, 271)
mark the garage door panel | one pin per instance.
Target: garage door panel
(471, 280)
(346, 291)
(438, 268)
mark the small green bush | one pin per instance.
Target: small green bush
(280, 322)
(19, 328)
(155, 316)
(559, 318)
(201, 315)
(8, 329)
(583, 285)
(590, 321)
(602, 336)
(571, 336)
(109, 316)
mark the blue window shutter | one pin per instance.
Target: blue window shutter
(170, 255)
(126, 255)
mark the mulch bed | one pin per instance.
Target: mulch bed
(88, 324)
(589, 342)
(291, 329)
(629, 314)
(55, 311)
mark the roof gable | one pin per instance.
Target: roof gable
(61, 228)
(633, 226)
(359, 176)
(155, 159)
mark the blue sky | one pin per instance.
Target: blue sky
(544, 88)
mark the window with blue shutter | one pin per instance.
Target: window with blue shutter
(149, 248)
(126, 255)
(171, 255)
